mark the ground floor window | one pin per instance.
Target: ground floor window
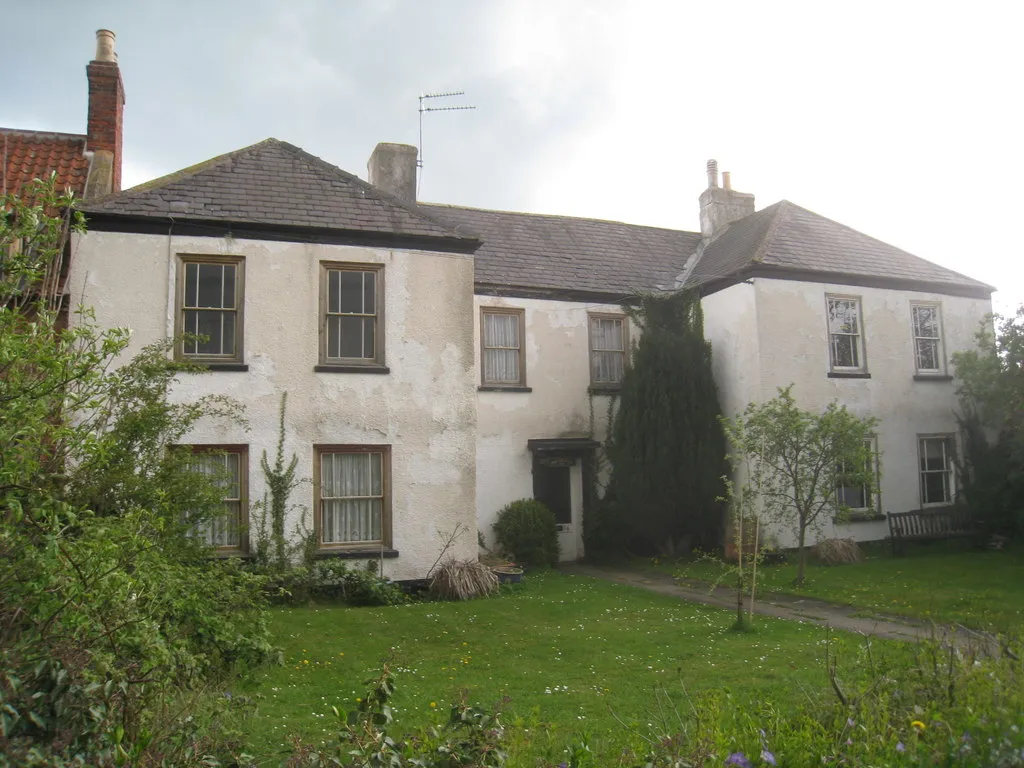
(855, 495)
(936, 454)
(227, 466)
(352, 494)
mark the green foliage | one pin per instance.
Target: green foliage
(991, 393)
(526, 530)
(472, 737)
(108, 611)
(667, 448)
(273, 552)
(794, 462)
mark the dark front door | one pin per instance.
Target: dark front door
(551, 488)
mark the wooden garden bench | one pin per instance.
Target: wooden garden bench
(929, 525)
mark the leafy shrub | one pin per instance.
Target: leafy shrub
(334, 580)
(463, 580)
(527, 531)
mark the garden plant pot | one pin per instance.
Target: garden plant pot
(508, 574)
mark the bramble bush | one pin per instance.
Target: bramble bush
(113, 623)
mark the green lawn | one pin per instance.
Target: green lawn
(943, 581)
(570, 654)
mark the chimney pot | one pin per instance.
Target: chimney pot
(105, 45)
(712, 174)
(727, 179)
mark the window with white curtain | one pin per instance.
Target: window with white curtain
(227, 467)
(501, 341)
(608, 345)
(352, 495)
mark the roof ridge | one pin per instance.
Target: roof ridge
(782, 211)
(180, 174)
(561, 216)
(848, 228)
(42, 134)
(378, 193)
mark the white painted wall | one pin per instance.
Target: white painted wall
(792, 347)
(425, 408)
(558, 372)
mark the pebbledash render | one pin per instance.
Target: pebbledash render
(442, 361)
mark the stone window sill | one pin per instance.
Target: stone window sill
(222, 367)
(606, 389)
(932, 377)
(859, 517)
(491, 388)
(351, 369)
(848, 375)
(356, 554)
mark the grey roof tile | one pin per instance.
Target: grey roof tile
(788, 238)
(558, 253)
(276, 183)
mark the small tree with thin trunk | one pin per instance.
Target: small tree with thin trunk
(797, 461)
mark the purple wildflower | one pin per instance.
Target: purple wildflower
(900, 747)
(768, 757)
(738, 758)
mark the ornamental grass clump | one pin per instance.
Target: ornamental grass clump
(463, 580)
(838, 552)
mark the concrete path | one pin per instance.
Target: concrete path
(784, 607)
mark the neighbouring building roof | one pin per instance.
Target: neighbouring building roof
(276, 184)
(29, 155)
(527, 253)
(787, 240)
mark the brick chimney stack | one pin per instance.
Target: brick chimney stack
(106, 114)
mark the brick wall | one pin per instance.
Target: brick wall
(106, 112)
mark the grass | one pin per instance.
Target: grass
(941, 581)
(569, 654)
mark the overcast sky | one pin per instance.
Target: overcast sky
(900, 119)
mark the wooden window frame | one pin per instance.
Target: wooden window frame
(606, 386)
(376, 363)
(179, 308)
(861, 345)
(371, 547)
(940, 352)
(873, 496)
(242, 450)
(520, 313)
(950, 442)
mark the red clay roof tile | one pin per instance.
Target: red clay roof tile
(28, 155)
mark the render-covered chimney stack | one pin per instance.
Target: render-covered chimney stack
(106, 115)
(392, 168)
(720, 206)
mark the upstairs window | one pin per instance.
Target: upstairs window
(227, 467)
(351, 308)
(845, 338)
(936, 456)
(503, 358)
(608, 345)
(209, 308)
(927, 321)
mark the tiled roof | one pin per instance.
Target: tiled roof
(788, 238)
(564, 253)
(29, 155)
(277, 184)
